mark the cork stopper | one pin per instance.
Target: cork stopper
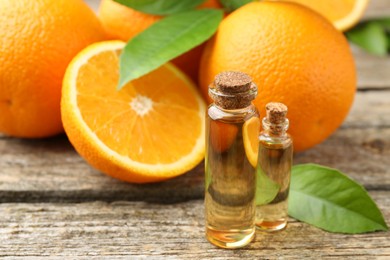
(276, 116)
(231, 82)
(233, 90)
(276, 112)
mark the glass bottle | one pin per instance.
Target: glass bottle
(232, 128)
(274, 169)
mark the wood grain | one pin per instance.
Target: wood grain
(372, 71)
(376, 8)
(371, 109)
(158, 230)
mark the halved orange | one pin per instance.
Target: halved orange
(151, 130)
(250, 134)
(342, 13)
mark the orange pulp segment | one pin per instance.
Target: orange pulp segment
(250, 134)
(342, 13)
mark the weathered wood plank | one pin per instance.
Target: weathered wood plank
(361, 153)
(50, 170)
(372, 71)
(377, 8)
(147, 229)
(370, 109)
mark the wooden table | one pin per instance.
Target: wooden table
(54, 204)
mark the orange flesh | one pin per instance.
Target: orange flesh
(251, 130)
(333, 10)
(109, 114)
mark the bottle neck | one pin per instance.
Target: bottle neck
(275, 129)
(231, 115)
(243, 110)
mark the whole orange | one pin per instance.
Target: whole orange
(38, 40)
(295, 56)
(123, 23)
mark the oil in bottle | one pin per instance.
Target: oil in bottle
(274, 169)
(230, 164)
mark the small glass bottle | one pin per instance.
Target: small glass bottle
(232, 128)
(274, 169)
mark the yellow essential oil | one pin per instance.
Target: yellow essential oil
(274, 169)
(230, 179)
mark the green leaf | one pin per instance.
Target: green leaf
(328, 199)
(231, 5)
(266, 189)
(161, 7)
(165, 40)
(388, 42)
(384, 22)
(370, 36)
(207, 179)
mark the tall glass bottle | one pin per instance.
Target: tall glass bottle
(274, 169)
(231, 156)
